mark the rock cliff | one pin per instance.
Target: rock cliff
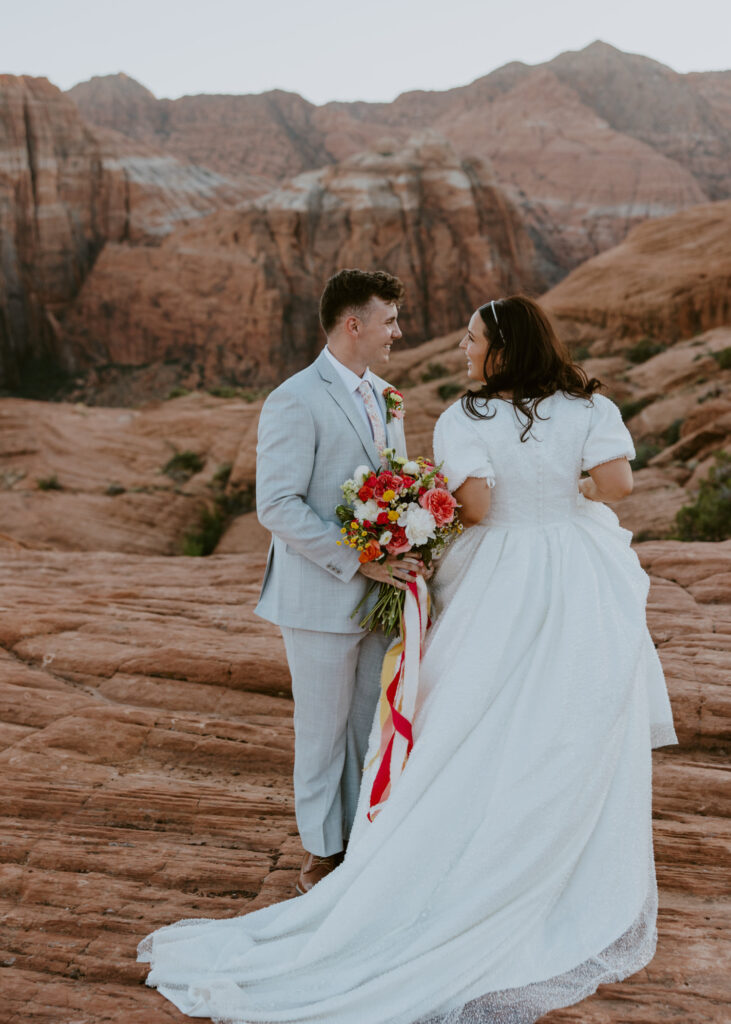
(64, 192)
(234, 297)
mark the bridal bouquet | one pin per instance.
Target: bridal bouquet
(405, 507)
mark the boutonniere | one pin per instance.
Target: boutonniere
(394, 404)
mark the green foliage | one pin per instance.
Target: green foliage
(449, 390)
(580, 352)
(183, 465)
(672, 434)
(645, 349)
(49, 483)
(215, 518)
(645, 451)
(178, 393)
(225, 392)
(434, 371)
(723, 358)
(114, 489)
(709, 517)
(632, 406)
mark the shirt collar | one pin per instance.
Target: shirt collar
(348, 377)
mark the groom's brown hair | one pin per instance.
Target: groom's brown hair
(353, 289)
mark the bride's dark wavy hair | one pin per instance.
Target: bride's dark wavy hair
(530, 361)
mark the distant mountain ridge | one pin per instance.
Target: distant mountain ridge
(686, 117)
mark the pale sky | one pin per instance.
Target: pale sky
(337, 49)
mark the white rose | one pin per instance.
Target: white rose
(367, 510)
(412, 468)
(361, 473)
(419, 525)
(385, 538)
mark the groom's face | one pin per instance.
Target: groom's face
(378, 330)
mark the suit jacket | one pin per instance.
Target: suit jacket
(311, 439)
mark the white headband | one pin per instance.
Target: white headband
(494, 313)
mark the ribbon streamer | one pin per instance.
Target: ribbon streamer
(399, 687)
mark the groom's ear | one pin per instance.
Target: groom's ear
(352, 325)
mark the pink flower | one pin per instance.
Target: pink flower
(440, 503)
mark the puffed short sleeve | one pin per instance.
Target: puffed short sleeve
(607, 438)
(461, 449)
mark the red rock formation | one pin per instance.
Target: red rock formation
(669, 279)
(63, 193)
(234, 298)
(591, 143)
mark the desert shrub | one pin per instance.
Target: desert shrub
(723, 358)
(434, 371)
(449, 390)
(225, 392)
(645, 451)
(672, 434)
(214, 519)
(632, 406)
(183, 465)
(178, 393)
(114, 489)
(709, 517)
(49, 483)
(580, 352)
(645, 349)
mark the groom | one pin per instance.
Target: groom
(314, 430)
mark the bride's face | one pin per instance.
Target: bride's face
(474, 346)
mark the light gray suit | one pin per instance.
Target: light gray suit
(311, 438)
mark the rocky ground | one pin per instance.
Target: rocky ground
(146, 760)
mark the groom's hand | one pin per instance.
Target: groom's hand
(396, 571)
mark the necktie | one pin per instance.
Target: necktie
(374, 417)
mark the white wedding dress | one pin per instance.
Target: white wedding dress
(511, 870)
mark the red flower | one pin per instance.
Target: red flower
(440, 503)
(365, 493)
(382, 519)
(387, 482)
(399, 542)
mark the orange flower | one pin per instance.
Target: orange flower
(370, 551)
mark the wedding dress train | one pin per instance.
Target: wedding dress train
(511, 870)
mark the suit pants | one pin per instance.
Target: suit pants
(335, 685)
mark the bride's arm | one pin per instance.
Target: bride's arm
(474, 497)
(610, 481)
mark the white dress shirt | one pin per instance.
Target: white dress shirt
(352, 381)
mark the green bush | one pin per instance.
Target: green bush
(114, 489)
(580, 352)
(672, 434)
(449, 390)
(709, 517)
(183, 465)
(225, 392)
(434, 371)
(213, 520)
(49, 483)
(178, 393)
(632, 406)
(645, 349)
(645, 452)
(723, 358)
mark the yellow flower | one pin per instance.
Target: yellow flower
(393, 515)
(389, 495)
(354, 524)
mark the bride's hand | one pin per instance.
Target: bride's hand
(396, 571)
(588, 488)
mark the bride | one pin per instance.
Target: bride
(511, 870)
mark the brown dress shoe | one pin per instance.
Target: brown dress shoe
(314, 869)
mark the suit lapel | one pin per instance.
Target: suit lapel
(339, 394)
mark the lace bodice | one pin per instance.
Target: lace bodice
(535, 482)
